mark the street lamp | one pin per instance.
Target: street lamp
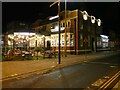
(92, 19)
(95, 41)
(99, 22)
(85, 15)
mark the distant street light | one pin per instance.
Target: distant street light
(99, 22)
(92, 19)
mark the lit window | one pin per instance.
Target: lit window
(71, 42)
(67, 42)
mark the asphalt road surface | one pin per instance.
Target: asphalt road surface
(83, 75)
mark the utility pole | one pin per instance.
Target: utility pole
(59, 53)
(59, 58)
(65, 47)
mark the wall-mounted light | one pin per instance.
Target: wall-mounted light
(92, 19)
(56, 29)
(54, 17)
(104, 36)
(99, 22)
(85, 15)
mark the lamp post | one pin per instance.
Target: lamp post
(85, 17)
(59, 58)
(95, 41)
(36, 45)
(98, 28)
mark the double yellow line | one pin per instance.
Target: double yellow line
(106, 84)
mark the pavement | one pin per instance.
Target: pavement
(12, 69)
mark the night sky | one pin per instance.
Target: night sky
(108, 12)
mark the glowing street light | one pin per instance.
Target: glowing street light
(99, 22)
(85, 15)
(92, 19)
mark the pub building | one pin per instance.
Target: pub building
(82, 32)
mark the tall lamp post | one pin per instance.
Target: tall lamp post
(59, 58)
(98, 25)
(85, 17)
(93, 22)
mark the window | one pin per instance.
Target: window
(68, 24)
(71, 36)
(71, 42)
(62, 42)
(61, 25)
(53, 25)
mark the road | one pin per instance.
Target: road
(84, 75)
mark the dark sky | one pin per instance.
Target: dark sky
(108, 12)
